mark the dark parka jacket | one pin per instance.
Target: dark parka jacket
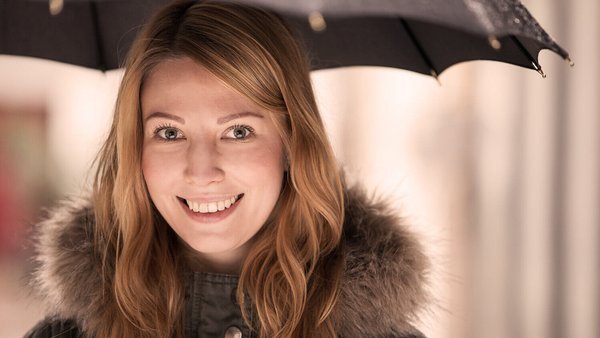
(383, 287)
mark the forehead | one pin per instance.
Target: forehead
(184, 83)
(174, 74)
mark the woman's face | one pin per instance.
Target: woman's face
(212, 160)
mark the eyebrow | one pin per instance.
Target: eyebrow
(165, 115)
(234, 116)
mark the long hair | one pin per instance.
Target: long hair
(292, 285)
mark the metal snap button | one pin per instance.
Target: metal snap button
(233, 332)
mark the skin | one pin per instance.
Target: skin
(205, 142)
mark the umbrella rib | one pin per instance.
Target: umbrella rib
(524, 50)
(424, 55)
(101, 59)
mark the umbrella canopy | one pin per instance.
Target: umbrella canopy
(93, 34)
(425, 36)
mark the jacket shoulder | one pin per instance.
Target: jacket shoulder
(55, 328)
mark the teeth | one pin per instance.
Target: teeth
(211, 207)
(203, 208)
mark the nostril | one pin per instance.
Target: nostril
(198, 175)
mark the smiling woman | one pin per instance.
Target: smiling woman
(218, 208)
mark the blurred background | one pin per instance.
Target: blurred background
(497, 169)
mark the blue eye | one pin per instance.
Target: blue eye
(239, 132)
(168, 133)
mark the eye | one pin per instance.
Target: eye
(168, 133)
(239, 132)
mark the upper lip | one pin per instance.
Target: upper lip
(210, 198)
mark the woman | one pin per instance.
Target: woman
(218, 209)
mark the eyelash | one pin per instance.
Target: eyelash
(162, 127)
(243, 126)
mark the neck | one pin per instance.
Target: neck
(218, 262)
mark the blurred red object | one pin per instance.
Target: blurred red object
(12, 215)
(23, 173)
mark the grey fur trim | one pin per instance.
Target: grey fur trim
(68, 267)
(383, 287)
(385, 279)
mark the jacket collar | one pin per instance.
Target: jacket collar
(383, 288)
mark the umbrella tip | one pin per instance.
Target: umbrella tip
(435, 75)
(56, 6)
(538, 68)
(494, 42)
(570, 62)
(317, 21)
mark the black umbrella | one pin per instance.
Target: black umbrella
(425, 36)
(93, 34)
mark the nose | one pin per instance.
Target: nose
(203, 165)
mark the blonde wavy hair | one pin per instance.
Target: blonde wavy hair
(293, 285)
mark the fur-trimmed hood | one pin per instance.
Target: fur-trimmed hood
(383, 288)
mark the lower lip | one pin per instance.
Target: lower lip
(211, 217)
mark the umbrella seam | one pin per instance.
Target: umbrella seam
(420, 49)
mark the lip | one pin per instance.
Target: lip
(213, 217)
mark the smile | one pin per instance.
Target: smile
(212, 207)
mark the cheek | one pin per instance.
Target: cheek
(156, 169)
(271, 168)
(149, 167)
(264, 164)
